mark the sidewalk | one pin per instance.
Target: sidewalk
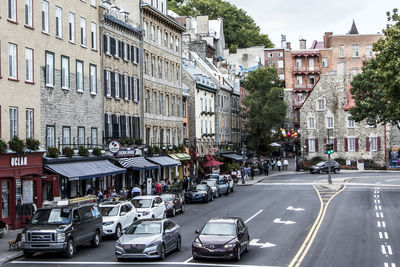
(5, 254)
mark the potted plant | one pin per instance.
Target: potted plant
(150, 151)
(52, 152)
(67, 151)
(96, 151)
(3, 146)
(157, 150)
(16, 144)
(83, 151)
(32, 144)
(139, 141)
(130, 141)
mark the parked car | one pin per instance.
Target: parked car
(200, 192)
(117, 216)
(213, 183)
(149, 207)
(322, 167)
(231, 182)
(173, 203)
(150, 238)
(222, 182)
(62, 228)
(224, 237)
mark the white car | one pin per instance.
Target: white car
(149, 207)
(117, 216)
(213, 184)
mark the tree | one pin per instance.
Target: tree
(239, 28)
(376, 90)
(266, 108)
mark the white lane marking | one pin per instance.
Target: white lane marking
(254, 242)
(375, 201)
(252, 217)
(386, 264)
(383, 224)
(381, 214)
(383, 249)
(380, 235)
(379, 224)
(391, 180)
(377, 215)
(186, 261)
(376, 207)
(386, 235)
(295, 209)
(379, 207)
(379, 201)
(389, 248)
(278, 220)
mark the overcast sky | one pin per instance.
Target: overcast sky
(310, 19)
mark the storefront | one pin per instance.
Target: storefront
(168, 167)
(24, 187)
(138, 169)
(184, 168)
(82, 176)
(394, 158)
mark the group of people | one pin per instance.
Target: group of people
(277, 164)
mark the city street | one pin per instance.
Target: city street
(294, 220)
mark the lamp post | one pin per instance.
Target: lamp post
(329, 162)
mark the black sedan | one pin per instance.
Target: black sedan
(173, 203)
(323, 167)
(199, 193)
(225, 238)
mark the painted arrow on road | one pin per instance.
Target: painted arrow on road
(278, 220)
(254, 242)
(295, 209)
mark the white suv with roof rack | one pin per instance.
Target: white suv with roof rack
(117, 216)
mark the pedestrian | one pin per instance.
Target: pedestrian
(285, 164)
(273, 164)
(136, 191)
(279, 164)
(185, 184)
(158, 189)
(266, 168)
(252, 173)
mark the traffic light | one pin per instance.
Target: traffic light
(326, 148)
(330, 149)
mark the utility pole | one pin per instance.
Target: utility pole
(243, 161)
(329, 163)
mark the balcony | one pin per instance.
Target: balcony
(297, 104)
(304, 87)
(305, 70)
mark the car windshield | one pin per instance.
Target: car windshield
(52, 216)
(141, 203)
(211, 183)
(167, 197)
(109, 211)
(217, 228)
(213, 177)
(201, 187)
(321, 163)
(143, 228)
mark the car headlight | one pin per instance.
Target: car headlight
(153, 244)
(145, 213)
(108, 223)
(23, 237)
(230, 245)
(169, 206)
(196, 243)
(60, 237)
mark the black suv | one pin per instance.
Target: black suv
(323, 167)
(62, 228)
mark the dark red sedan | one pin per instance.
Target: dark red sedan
(223, 237)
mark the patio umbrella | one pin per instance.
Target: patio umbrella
(212, 163)
(274, 144)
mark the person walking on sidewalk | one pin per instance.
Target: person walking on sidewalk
(252, 173)
(266, 168)
(273, 164)
(285, 164)
(279, 164)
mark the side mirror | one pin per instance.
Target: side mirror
(123, 231)
(123, 213)
(197, 231)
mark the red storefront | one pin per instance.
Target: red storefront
(23, 185)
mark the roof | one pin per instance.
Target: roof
(164, 161)
(166, 18)
(353, 29)
(122, 24)
(317, 45)
(199, 76)
(137, 164)
(350, 100)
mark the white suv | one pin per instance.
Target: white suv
(149, 207)
(117, 216)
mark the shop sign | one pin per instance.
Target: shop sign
(19, 161)
(128, 153)
(114, 146)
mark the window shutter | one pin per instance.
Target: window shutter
(122, 54)
(105, 47)
(138, 127)
(128, 50)
(346, 145)
(335, 145)
(316, 145)
(379, 143)
(133, 129)
(137, 89)
(112, 74)
(137, 54)
(120, 49)
(114, 126)
(306, 145)
(105, 83)
(356, 141)
(367, 144)
(106, 133)
(123, 126)
(129, 89)
(130, 127)
(132, 53)
(133, 89)
(120, 87)
(112, 43)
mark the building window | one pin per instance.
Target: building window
(281, 77)
(50, 136)
(173, 106)
(117, 85)
(373, 143)
(79, 76)
(270, 55)
(45, 16)
(93, 137)
(210, 106)
(153, 29)
(166, 39)
(166, 70)
(126, 87)
(298, 62)
(160, 68)
(12, 10)
(136, 90)
(49, 69)
(66, 136)
(154, 103)
(28, 65)
(109, 125)
(59, 22)
(312, 79)
(64, 72)
(125, 47)
(311, 123)
(325, 62)
(341, 50)
(93, 3)
(154, 136)
(329, 123)
(108, 82)
(13, 122)
(201, 105)
(210, 126)
(171, 44)
(93, 30)
(153, 70)
(83, 32)
(311, 145)
(167, 106)
(355, 51)
(280, 54)
(177, 45)
(93, 78)
(201, 126)
(145, 28)
(184, 109)
(81, 136)
(28, 13)
(127, 124)
(320, 104)
(299, 80)
(159, 36)
(146, 101)
(29, 123)
(71, 25)
(12, 61)
(160, 103)
(368, 50)
(351, 144)
(177, 73)
(280, 64)
(350, 123)
(146, 64)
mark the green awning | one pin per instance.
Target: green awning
(180, 156)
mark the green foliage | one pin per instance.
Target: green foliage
(32, 144)
(67, 151)
(233, 48)
(156, 149)
(139, 141)
(182, 148)
(3, 146)
(16, 144)
(176, 148)
(239, 28)
(122, 141)
(266, 108)
(52, 152)
(150, 151)
(130, 141)
(96, 151)
(83, 151)
(376, 89)
(317, 159)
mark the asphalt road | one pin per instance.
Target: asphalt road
(300, 224)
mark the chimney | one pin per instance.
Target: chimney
(303, 43)
(288, 45)
(283, 40)
(326, 39)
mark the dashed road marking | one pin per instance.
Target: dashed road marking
(387, 265)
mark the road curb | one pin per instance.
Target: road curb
(11, 257)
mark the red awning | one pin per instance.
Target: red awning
(212, 163)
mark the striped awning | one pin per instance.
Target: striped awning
(138, 164)
(234, 156)
(164, 161)
(180, 156)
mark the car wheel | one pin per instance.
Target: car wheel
(336, 171)
(212, 197)
(70, 250)
(152, 216)
(227, 191)
(238, 253)
(118, 231)
(173, 212)
(179, 244)
(28, 254)
(162, 252)
(232, 189)
(320, 171)
(183, 208)
(96, 240)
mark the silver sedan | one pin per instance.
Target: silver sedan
(152, 238)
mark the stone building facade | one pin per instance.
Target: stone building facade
(121, 73)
